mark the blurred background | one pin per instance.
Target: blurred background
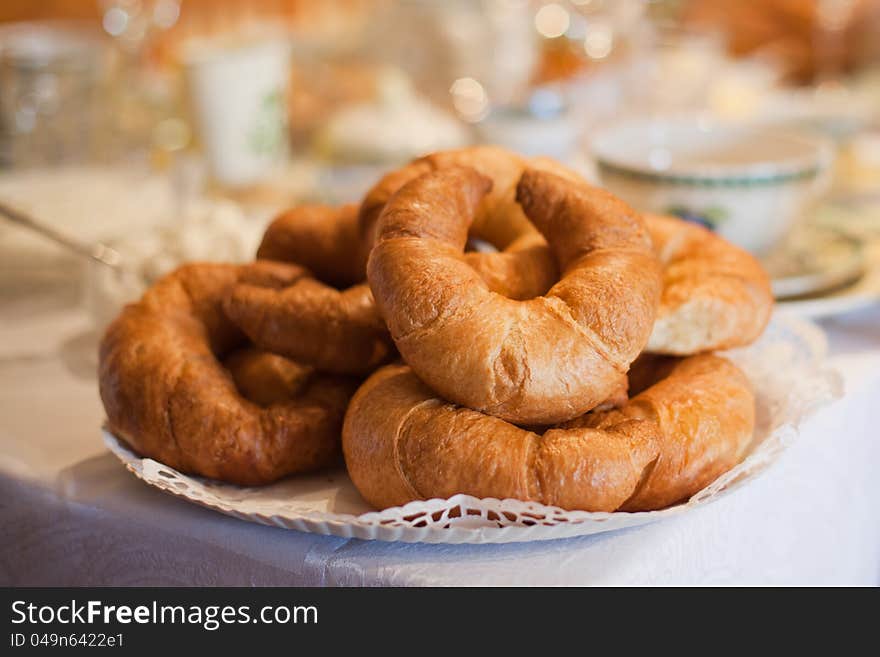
(168, 130)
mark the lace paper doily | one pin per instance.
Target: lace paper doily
(786, 367)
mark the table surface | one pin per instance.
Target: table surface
(72, 515)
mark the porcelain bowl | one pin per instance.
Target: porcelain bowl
(748, 182)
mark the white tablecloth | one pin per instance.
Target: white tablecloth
(71, 514)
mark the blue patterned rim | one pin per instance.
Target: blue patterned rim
(706, 181)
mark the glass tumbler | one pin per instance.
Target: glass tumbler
(50, 75)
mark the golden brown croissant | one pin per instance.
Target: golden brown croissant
(266, 378)
(403, 443)
(332, 330)
(311, 321)
(166, 392)
(339, 330)
(321, 238)
(539, 361)
(498, 219)
(715, 295)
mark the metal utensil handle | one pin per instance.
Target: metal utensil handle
(98, 252)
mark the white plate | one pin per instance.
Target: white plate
(813, 260)
(862, 293)
(786, 367)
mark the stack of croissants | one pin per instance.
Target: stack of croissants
(482, 323)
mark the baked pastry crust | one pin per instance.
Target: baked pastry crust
(693, 422)
(715, 294)
(335, 329)
(520, 269)
(540, 361)
(323, 239)
(166, 392)
(528, 351)
(266, 378)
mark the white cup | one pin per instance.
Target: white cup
(748, 182)
(238, 97)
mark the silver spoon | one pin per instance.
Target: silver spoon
(96, 251)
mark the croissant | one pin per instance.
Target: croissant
(311, 321)
(539, 361)
(519, 269)
(692, 423)
(308, 321)
(321, 238)
(339, 330)
(167, 393)
(266, 378)
(715, 295)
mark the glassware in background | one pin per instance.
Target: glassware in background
(51, 77)
(832, 106)
(234, 64)
(493, 42)
(658, 63)
(371, 89)
(583, 37)
(361, 141)
(674, 68)
(201, 93)
(133, 22)
(331, 70)
(395, 125)
(604, 28)
(542, 126)
(146, 119)
(586, 47)
(482, 52)
(238, 96)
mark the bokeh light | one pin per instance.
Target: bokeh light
(469, 99)
(552, 20)
(599, 41)
(115, 21)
